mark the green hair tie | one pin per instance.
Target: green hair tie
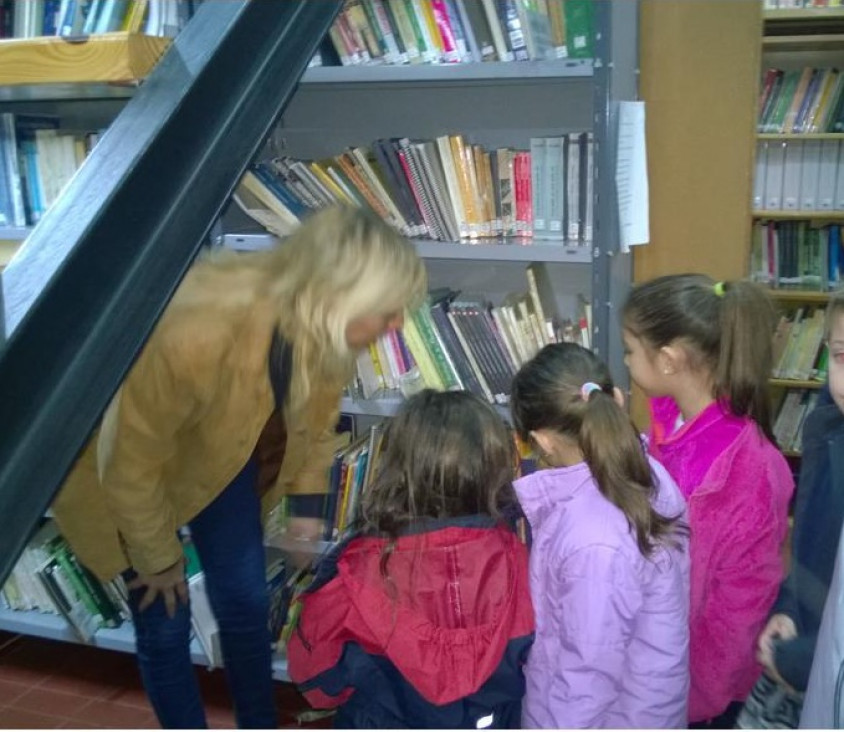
(719, 288)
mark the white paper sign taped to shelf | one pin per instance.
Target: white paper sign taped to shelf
(631, 176)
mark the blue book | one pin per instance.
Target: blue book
(274, 183)
(835, 271)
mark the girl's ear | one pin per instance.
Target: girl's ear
(670, 359)
(544, 442)
(618, 396)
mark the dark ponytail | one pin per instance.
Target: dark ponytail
(548, 394)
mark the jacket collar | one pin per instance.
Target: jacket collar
(540, 492)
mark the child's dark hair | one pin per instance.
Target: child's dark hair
(727, 328)
(548, 394)
(445, 455)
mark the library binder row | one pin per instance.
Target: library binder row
(799, 175)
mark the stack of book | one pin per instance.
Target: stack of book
(36, 162)
(466, 343)
(800, 351)
(807, 101)
(73, 18)
(49, 578)
(460, 31)
(445, 189)
(788, 426)
(797, 255)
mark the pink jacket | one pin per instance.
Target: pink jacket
(738, 487)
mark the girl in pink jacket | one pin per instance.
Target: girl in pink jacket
(608, 561)
(702, 351)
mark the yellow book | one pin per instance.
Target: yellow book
(431, 25)
(416, 345)
(463, 164)
(319, 171)
(133, 21)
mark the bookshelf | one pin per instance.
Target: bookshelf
(794, 40)
(495, 104)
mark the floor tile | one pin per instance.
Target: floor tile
(118, 716)
(56, 703)
(9, 691)
(11, 718)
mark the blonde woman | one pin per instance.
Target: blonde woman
(230, 405)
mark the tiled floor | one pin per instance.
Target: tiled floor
(49, 684)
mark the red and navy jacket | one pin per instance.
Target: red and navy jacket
(439, 642)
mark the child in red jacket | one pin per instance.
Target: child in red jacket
(423, 618)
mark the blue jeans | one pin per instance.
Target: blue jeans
(229, 540)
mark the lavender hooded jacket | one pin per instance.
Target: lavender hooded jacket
(612, 636)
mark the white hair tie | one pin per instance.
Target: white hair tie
(587, 389)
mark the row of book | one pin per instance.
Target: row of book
(797, 255)
(36, 162)
(794, 406)
(461, 31)
(445, 189)
(49, 578)
(807, 101)
(73, 18)
(453, 342)
(799, 175)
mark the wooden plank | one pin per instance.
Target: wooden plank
(109, 57)
(699, 66)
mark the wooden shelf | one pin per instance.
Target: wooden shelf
(810, 42)
(793, 215)
(796, 383)
(805, 296)
(800, 136)
(113, 58)
(792, 453)
(797, 15)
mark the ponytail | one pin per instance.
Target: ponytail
(745, 358)
(566, 388)
(616, 457)
(727, 328)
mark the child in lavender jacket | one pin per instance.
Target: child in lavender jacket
(608, 564)
(702, 351)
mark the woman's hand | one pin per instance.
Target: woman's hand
(170, 584)
(779, 627)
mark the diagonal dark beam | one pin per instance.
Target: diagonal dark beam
(86, 289)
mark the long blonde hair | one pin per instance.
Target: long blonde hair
(340, 264)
